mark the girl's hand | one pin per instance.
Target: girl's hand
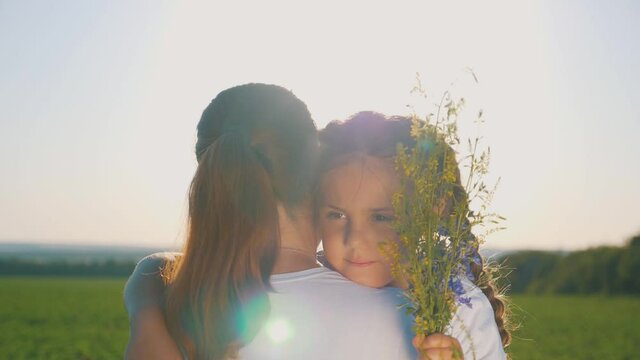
(437, 347)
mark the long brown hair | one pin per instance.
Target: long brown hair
(374, 134)
(256, 149)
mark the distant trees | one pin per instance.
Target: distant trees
(600, 270)
(13, 266)
(629, 266)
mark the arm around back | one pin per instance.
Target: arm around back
(144, 298)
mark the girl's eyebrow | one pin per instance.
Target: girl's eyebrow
(335, 207)
(382, 209)
(372, 210)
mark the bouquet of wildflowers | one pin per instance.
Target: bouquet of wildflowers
(436, 247)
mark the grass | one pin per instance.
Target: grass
(62, 318)
(576, 327)
(83, 318)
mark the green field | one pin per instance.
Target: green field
(76, 318)
(62, 318)
(574, 327)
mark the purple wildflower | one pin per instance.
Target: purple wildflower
(443, 231)
(465, 301)
(456, 286)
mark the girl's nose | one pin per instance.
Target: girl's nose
(355, 235)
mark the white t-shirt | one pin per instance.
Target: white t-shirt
(319, 314)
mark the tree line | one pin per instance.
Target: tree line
(599, 270)
(34, 267)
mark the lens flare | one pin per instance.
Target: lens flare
(279, 330)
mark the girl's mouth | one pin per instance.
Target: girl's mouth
(360, 263)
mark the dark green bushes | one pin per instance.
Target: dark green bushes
(600, 270)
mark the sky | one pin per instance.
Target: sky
(100, 101)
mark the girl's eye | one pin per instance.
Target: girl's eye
(382, 218)
(335, 215)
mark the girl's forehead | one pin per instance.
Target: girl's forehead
(361, 177)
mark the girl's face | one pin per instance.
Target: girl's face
(355, 217)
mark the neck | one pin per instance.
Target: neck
(297, 242)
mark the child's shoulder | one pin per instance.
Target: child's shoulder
(471, 289)
(475, 302)
(474, 325)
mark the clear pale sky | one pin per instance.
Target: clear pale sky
(100, 100)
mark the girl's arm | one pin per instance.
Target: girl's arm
(144, 298)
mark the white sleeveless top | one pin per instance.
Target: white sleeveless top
(319, 314)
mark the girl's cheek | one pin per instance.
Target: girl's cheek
(333, 250)
(334, 256)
